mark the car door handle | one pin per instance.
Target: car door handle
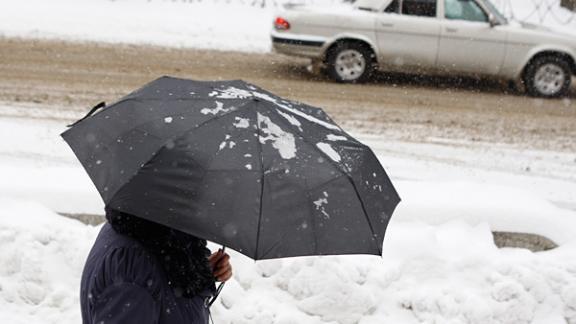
(451, 30)
(387, 24)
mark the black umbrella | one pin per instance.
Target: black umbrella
(234, 164)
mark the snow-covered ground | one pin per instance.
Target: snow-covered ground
(440, 264)
(211, 24)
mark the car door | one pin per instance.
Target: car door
(408, 33)
(468, 42)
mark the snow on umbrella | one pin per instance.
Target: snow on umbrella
(234, 164)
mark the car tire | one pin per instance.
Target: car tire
(548, 77)
(350, 62)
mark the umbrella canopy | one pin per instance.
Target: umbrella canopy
(234, 164)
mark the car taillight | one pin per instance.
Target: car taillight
(281, 24)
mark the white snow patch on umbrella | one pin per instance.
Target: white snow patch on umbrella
(310, 118)
(235, 93)
(281, 140)
(219, 108)
(328, 150)
(226, 142)
(332, 137)
(291, 119)
(298, 112)
(231, 93)
(241, 122)
(320, 202)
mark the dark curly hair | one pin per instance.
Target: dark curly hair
(184, 257)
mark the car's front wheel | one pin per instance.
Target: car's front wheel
(350, 62)
(548, 77)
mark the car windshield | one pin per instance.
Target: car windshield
(494, 10)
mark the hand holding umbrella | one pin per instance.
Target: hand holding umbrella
(220, 263)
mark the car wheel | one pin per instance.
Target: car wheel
(350, 63)
(548, 77)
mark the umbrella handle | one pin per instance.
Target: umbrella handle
(90, 113)
(220, 286)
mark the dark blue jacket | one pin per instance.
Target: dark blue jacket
(122, 283)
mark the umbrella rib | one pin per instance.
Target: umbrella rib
(177, 99)
(243, 106)
(261, 183)
(339, 167)
(366, 216)
(263, 256)
(142, 100)
(327, 182)
(310, 204)
(312, 218)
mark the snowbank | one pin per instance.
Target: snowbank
(447, 273)
(450, 273)
(41, 259)
(211, 24)
(439, 264)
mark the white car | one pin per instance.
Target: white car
(427, 36)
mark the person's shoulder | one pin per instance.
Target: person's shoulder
(118, 259)
(109, 239)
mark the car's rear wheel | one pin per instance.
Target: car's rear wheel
(350, 62)
(548, 77)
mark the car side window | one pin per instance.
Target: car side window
(423, 8)
(393, 7)
(464, 10)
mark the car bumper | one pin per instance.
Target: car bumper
(297, 46)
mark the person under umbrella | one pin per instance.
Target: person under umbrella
(143, 272)
(179, 161)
